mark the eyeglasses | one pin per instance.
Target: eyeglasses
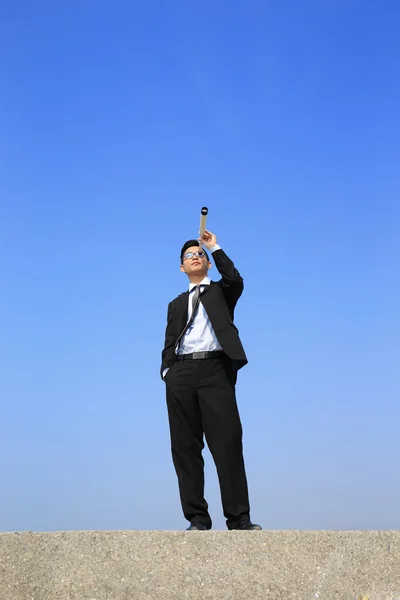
(199, 254)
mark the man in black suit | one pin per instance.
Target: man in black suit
(200, 360)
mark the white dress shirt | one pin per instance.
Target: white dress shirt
(200, 337)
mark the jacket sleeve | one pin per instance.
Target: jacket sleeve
(168, 353)
(232, 281)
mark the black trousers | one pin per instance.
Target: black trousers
(201, 401)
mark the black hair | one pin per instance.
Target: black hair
(189, 244)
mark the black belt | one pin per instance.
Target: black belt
(202, 355)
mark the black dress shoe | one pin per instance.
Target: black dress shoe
(197, 527)
(247, 525)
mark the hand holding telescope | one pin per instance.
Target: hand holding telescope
(206, 237)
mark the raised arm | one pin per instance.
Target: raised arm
(232, 281)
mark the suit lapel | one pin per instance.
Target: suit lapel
(207, 288)
(183, 309)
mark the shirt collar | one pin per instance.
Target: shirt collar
(205, 281)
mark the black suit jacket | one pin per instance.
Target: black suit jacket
(219, 300)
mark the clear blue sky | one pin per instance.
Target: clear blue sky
(118, 121)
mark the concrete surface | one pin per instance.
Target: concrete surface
(150, 565)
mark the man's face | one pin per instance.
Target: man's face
(194, 264)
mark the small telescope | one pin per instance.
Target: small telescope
(203, 219)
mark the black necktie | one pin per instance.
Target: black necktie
(195, 305)
(195, 301)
